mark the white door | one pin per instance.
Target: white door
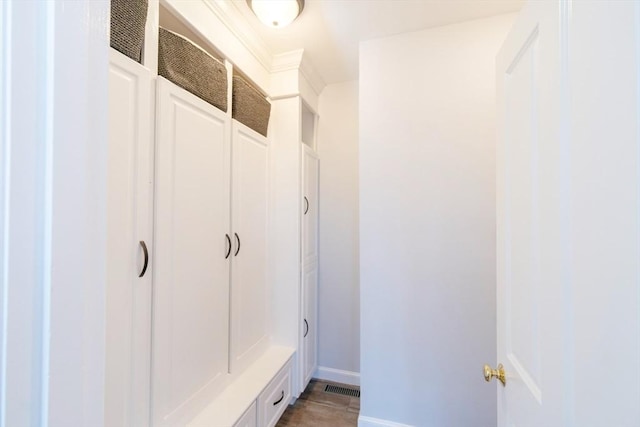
(309, 244)
(310, 322)
(249, 221)
(129, 243)
(568, 197)
(191, 267)
(310, 180)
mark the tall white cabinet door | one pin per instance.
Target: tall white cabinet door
(191, 269)
(249, 295)
(310, 179)
(129, 233)
(309, 322)
(309, 335)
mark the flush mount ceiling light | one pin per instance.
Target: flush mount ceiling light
(276, 13)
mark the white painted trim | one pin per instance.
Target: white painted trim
(243, 47)
(376, 422)
(24, 251)
(287, 61)
(297, 60)
(222, 25)
(150, 52)
(234, 20)
(76, 320)
(5, 134)
(284, 96)
(337, 375)
(53, 150)
(47, 212)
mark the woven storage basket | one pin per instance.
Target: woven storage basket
(191, 68)
(249, 106)
(128, 18)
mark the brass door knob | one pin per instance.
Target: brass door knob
(495, 373)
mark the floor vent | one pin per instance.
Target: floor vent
(342, 390)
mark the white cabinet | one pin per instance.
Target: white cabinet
(309, 297)
(294, 178)
(310, 173)
(249, 294)
(273, 401)
(191, 268)
(310, 322)
(196, 207)
(129, 243)
(211, 300)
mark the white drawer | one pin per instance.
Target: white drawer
(273, 401)
(250, 417)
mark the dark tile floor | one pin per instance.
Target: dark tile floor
(316, 408)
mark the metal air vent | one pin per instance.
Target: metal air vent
(353, 392)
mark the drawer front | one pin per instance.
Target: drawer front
(273, 401)
(250, 417)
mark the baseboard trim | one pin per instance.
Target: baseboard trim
(376, 422)
(337, 375)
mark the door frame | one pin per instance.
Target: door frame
(53, 146)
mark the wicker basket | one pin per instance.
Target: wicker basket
(191, 68)
(249, 106)
(128, 19)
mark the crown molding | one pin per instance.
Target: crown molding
(287, 61)
(297, 60)
(229, 14)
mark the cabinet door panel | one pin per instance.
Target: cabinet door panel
(310, 322)
(310, 170)
(249, 296)
(129, 221)
(191, 288)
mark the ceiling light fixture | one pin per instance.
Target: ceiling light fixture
(276, 13)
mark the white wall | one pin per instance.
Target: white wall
(427, 224)
(339, 299)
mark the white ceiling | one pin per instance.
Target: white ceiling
(330, 30)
